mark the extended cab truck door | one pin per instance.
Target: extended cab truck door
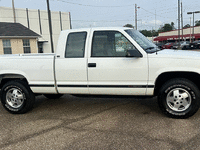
(110, 71)
(71, 62)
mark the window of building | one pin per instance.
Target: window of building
(75, 47)
(110, 44)
(7, 46)
(26, 46)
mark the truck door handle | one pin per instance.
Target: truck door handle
(91, 64)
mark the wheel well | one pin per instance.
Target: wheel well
(164, 77)
(8, 77)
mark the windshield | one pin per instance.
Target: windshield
(146, 44)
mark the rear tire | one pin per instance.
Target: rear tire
(179, 98)
(17, 97)
(53, 96)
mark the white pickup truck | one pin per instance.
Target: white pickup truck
(103, 61)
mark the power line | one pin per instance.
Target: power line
(93, 5)
(163, 8)
(110, 6)
(160, 12)
(153, 13)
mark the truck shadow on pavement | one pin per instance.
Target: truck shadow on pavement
(73, 103)
(93, 123)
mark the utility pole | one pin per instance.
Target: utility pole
(50, 26)
(70, 20)
(27, 18)
(193, 30)
(190, 29)
(13, 7)
(182, 19)
(193, 23)
(178, 24)
(135, 16)
(155, 20)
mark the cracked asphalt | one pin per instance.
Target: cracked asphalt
(97, 123)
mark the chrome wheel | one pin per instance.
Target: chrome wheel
(15, 98)
(179, 99)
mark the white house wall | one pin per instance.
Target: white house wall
(6, 15)
(45, 31)
(21, 16)
(34, 21)
(65, 20)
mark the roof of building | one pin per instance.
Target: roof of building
(175, 37)
(15, 30)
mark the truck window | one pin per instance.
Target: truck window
(75, 46)
(110, 44)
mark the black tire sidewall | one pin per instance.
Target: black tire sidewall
(186, 85)
(21, 87)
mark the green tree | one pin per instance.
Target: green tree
(167, 27)
(186, 26)
(146, 33)
(154, 33)
(172, 25)
(129, 25)
(197, 23)
(149, 33)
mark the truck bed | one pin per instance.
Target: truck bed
(38, 71)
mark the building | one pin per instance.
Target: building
(17, 39)
(37, 21)
(150, 38)
(173, 35)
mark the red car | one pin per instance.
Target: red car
(167, 46)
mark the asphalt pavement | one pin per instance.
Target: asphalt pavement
(71, 123)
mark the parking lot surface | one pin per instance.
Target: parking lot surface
(97, 123)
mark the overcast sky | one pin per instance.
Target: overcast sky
(97, 13)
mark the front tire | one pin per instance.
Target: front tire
(179, 98)
(17, 97)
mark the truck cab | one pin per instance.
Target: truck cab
(97, 63)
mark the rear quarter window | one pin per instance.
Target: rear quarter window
(75, 45)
